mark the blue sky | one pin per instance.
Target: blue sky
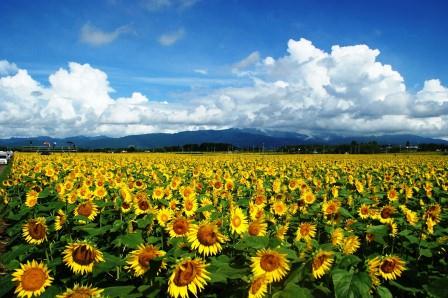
(172, 50)
(44, 35)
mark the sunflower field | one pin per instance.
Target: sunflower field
(224, 225)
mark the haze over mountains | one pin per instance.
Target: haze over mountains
(242, 138)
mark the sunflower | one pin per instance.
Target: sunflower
(359, 186)
(35, 230)
(391, 267)
(217, 185)
(32, 278)
(351, 245)
(255, 212)
(331, 208)
(433, 213)
(392, 194)
(270, 262)
(81, 256)
(258, 287)
(163, 216)
(322, 262)
(139, 184)
(337, 236)
(84, 192)
(306, 231)
(293, 184)
(308, 197)
(257, 228)
(187, 192)
(174, 204)
(276, 186)
(238, 221)
(190, 205)
(59, 220)
(279, 208)
(281, 231)
(206, 238)
(386, 214)
(81, 292)
(393, 228)
(31, 198)
(126, 206)
(188, 276)
(87, 209)
(158, 193)
(179, 227)
(411, 216)
(373, 270)
(175, 183)
(335, 192)
(100, 192)
(139, 259)
(259, 200)
(364, 211)
(142, 206)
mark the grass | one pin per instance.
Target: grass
(4, 172)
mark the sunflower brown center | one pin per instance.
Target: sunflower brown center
(83, 255)
(180, 226)
(207, 235)
(364, 211)
(388, 266)
(305, 230)
(331, 209)
(33, 279)
(187, 193)
(80, 293)
(61, 219)
(85, 209)
(386, 213)
(309, 197)
(36, 230)
(146, 256)
(256, 285)
(318, 261)
(188, 205)
(254, 229)
(143, 205)
(279, 208)
(125, 205)
(184, 276)
(269, 262)
(259, 200)
(236, 221)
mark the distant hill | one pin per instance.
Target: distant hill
(243, 138)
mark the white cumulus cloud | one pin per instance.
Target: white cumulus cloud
(346, 90)
(7, 68)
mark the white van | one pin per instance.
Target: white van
(3, 158)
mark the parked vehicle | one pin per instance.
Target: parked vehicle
(3, 158)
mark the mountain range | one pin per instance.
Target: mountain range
(242, 138)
